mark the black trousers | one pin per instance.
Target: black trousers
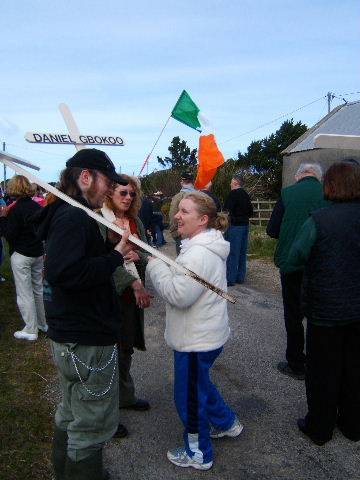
(291, 285)
(333, 380)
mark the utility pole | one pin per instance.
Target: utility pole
(330, 97)
(4, 184)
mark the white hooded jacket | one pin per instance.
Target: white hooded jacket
(196, 317)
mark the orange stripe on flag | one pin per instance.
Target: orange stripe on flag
(210, 159)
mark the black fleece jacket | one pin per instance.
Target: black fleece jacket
(18, 228)
(79, 295)
(239, 206)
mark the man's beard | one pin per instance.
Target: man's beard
(92, 196)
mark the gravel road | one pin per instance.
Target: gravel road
(267, 403)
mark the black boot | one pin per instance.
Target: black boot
(59, 452)
(91, 468)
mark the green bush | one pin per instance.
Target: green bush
(260, 245)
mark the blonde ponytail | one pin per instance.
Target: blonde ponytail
(205, 205)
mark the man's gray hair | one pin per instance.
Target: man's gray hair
(310, 169)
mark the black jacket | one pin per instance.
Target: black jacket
(18, 228)
(333, 269)
(239, 206)
(146, 213)
(79, 296)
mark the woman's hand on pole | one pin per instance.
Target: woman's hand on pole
(142, 296)
(132, 256)
(123, 247)
(113, 237)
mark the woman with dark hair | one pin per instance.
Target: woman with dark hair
(328, 246)
(26, 256)
(122, 207)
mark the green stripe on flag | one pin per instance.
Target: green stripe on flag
(186, 111)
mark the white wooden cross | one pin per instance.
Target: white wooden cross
(70, 123)
(74, 137)
(13, 162)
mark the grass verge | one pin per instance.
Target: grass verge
(260, 245)
(25, 412)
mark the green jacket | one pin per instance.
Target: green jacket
(132, 321)
(122, 277)
(299, 200)
(301, 247)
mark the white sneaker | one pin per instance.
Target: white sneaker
(43, 328)
(178, 456)
(233, 431)
(25, 336)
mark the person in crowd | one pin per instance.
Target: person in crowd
(146, 216)
(328, 246)
(158, 219)
(197, 329)
(83, 315)
(122, 207)
(240, 209)
(290, 212)
(2, 250)
(187, 185)
(208, 191)
(38, 196)
(26, 257)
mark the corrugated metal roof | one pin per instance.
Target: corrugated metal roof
(344, 120)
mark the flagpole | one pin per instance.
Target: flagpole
(158, 138)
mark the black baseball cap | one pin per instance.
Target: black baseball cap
(187, 176)
(95, 159)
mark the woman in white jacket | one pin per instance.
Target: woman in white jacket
(197, 328)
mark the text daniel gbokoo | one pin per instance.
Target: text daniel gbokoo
(56, 138)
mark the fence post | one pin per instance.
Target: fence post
(262, 215)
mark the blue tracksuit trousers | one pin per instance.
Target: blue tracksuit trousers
(198, 402)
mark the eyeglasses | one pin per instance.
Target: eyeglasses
(124, 193)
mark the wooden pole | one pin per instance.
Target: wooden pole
(7, 160)
(146, 161)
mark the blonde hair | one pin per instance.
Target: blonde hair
(205, 205)
(19, 186)
(136, 202)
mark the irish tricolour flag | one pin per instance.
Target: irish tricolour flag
(210, 157)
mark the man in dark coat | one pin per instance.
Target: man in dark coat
(328, 247)
(240, 209)
(146, 216)
(83, 317)
(290, 212)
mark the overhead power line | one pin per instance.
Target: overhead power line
(275, 119)
(348, 94)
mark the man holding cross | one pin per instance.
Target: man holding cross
(83, 317)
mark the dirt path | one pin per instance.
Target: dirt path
(268, 404)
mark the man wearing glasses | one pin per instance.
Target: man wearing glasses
(83, 316)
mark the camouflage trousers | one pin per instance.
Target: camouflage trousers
(89, 409)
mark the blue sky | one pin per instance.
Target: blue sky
(121, 66)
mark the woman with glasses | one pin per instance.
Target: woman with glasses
(122, 208)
